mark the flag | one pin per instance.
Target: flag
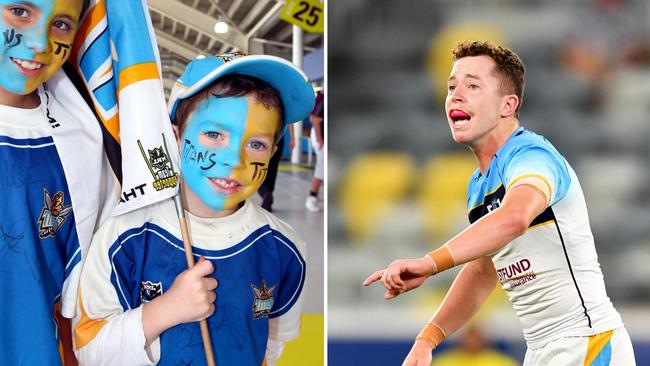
(116, 57)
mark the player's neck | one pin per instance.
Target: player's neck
(27, 101)
(485, 148)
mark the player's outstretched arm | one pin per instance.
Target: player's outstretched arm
(520, 206)
(469, 291)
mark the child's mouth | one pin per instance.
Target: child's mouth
(26, 66)
(225, 185)
(459, 118)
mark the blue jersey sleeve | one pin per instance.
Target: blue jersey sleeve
(542, 162)
(293, 275)
(126, 266)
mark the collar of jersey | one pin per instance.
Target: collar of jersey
(514, 133)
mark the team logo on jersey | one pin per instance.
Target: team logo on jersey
(53, 214)
(160, 166)
(263, 300)
(150, 290)
(494, 204)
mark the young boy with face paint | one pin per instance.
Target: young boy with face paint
(138, 303)
(42, 225)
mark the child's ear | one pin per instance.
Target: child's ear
(275, 148)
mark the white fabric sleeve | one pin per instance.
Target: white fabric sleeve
(104, 333)
(273, 351)
(120, 342)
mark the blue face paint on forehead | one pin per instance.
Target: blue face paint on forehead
(21, 42)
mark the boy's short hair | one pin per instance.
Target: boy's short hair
(231, 86)
(509, 67)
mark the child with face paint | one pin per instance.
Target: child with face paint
(42, 225)
(138, 303)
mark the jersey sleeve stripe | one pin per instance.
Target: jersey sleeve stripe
(284, 308)
(86, 329)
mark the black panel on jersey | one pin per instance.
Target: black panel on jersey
(497, 196)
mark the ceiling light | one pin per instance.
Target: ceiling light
(221, 27)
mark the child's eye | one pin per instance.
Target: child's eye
(61, 25)
(451, 87)
(214, 135)
(473, 86)
(19, 12)
(256, 145)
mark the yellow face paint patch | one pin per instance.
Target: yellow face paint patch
(61, 27)
(256, 150)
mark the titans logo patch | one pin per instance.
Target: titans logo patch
(263, 300)
(53, 215)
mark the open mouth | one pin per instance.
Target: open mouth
(225, 185)
(459, 118)
(27, 65)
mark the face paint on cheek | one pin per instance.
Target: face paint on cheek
(61, 48)
(204, 158)
(11, 38)
(259, 174)
(10, 78)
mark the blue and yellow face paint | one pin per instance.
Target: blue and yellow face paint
(226, 147)
(37, 37)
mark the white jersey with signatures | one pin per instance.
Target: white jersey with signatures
(551, 273)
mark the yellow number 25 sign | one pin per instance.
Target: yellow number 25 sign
(307, 14)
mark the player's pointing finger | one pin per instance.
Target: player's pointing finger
(374, 277)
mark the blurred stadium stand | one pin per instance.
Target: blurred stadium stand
(397, 181)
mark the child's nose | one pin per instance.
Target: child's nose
(232, 156)
(37, 41)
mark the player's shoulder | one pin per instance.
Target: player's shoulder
(524, 140)
(282, 231)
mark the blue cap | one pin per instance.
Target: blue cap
(291, 83)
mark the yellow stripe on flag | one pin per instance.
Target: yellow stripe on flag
(136, 73)
(596, 344)
(113, 126)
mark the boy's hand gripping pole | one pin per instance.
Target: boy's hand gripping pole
(187, 244)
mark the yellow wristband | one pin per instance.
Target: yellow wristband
(432, 334)
(442, 259)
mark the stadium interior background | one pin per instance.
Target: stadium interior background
(397, 181)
